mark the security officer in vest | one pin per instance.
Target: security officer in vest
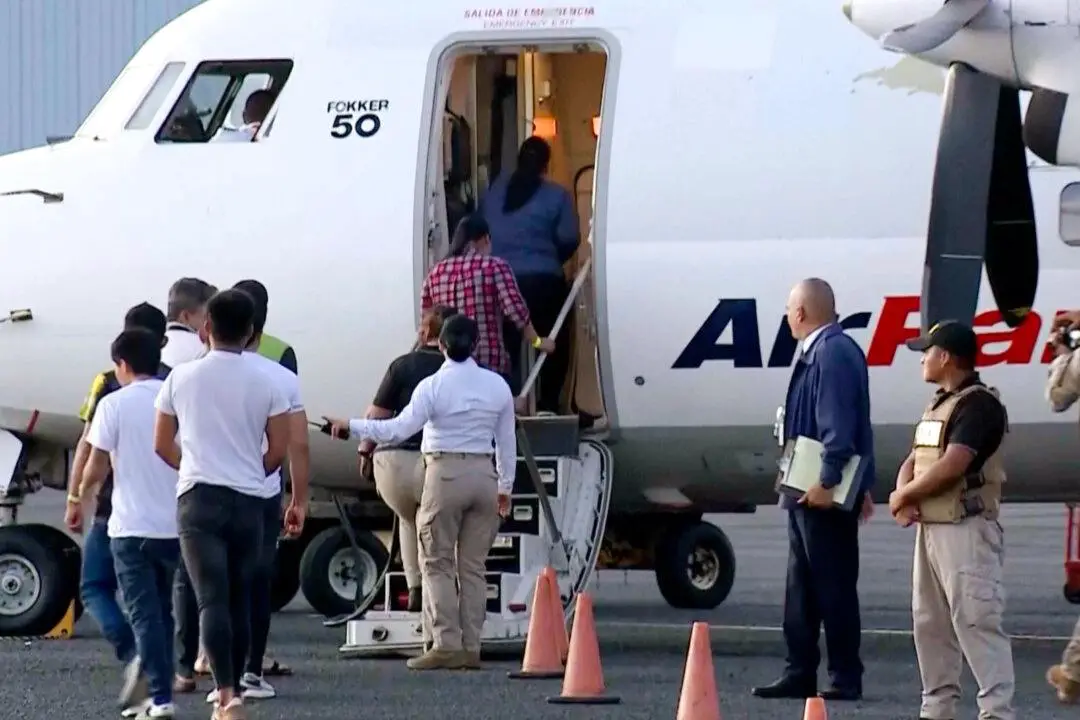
(950, 486)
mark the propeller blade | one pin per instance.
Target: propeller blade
(1012, 248)
(927, 34)
(956, 237)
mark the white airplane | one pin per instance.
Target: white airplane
(719, 153)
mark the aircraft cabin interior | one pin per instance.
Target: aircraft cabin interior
(493, 99)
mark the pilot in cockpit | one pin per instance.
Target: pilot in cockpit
(256, 108)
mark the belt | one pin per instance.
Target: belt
(463, 455)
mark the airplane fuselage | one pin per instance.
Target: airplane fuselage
(742, 150)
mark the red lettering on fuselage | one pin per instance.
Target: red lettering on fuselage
(893, 330)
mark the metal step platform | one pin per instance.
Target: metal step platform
(559, 509)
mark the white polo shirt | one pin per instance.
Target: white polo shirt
(183, 345)
(221, 404)
(289, 384)
(144, 487)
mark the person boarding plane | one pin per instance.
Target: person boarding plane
(716, 154)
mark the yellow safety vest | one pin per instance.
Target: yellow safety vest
(977, 494)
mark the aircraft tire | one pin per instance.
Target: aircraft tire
(695, 566)
(36, 582)
(66, 545)
(286, 573)
(325, 575)
(1071, 594)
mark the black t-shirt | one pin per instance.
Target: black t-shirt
(104, 384)
(401, 378)
(978, 422)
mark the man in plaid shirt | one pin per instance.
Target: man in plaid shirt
(482, 287)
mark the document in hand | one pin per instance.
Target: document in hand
(800, 468)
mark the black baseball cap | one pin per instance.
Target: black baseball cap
(146, 316)
(952, 336)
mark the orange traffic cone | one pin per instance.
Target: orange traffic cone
(561, 639)
(697, 700)
(541, 649)
(584, 681)
(815, 709)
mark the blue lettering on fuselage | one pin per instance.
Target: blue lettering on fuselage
(744, 350)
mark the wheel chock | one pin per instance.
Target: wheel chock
(65, 629)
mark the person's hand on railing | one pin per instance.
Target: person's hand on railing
(544, 345)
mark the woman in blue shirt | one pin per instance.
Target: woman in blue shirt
(535, 229)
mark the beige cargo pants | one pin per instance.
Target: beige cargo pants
(957, 603)
(457, 524)
(1070, 659)
(399, 480)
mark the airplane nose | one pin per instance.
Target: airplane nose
(846, 7)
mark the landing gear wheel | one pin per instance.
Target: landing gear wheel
(286, 574)
(695, 566)
(64, 544)
(36, 585)
(1072, 594)
(329, 570)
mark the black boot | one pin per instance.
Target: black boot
(415, 600)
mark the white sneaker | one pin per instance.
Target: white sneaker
(212, 696)
(256, 688)
(137, 709)
(167, 710)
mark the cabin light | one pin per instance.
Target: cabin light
(545, 127)
(596, 126)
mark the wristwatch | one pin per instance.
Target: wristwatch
(537, 342)
(74, 498)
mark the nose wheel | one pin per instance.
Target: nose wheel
(39, 578)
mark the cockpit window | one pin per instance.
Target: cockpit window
(144, 114)
(225, 101)
(108, 116)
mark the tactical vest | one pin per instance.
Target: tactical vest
(271, 347)
(976, 494)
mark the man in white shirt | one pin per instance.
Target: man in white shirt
(461, 409)
(256, 108)
(142, 527)
(187, 316)
(213, 415)
(299, 458)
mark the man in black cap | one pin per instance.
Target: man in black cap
(461, 409)
(950, 486)
(98, 584)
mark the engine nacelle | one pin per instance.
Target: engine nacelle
(1052, 127)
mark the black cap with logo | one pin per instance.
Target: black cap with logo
(952, 336)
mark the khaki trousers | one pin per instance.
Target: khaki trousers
(957, 601)
(1070, 659)
(399, 480)
(458, 521)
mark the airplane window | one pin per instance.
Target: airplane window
(212, 105)
(108, 116)
(144, 114)
(1069, 214)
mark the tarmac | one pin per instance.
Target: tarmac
(643, 644)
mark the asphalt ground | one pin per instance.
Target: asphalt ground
(643, 645)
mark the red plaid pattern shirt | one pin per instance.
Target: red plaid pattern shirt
(483, 288)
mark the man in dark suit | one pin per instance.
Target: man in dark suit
(828, 400)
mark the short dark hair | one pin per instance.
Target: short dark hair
(459, 335)
(259, 103)
(257, 291)
(188, 294)
(146, 317)
(232, 316)
(139, 348)
(470, 229)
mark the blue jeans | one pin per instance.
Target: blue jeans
(98, 588)
(145, 568)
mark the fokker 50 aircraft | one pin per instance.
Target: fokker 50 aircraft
(718, 153)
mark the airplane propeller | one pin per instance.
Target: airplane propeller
(927, 34)
(981, 210)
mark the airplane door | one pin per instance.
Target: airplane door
(438, 231)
